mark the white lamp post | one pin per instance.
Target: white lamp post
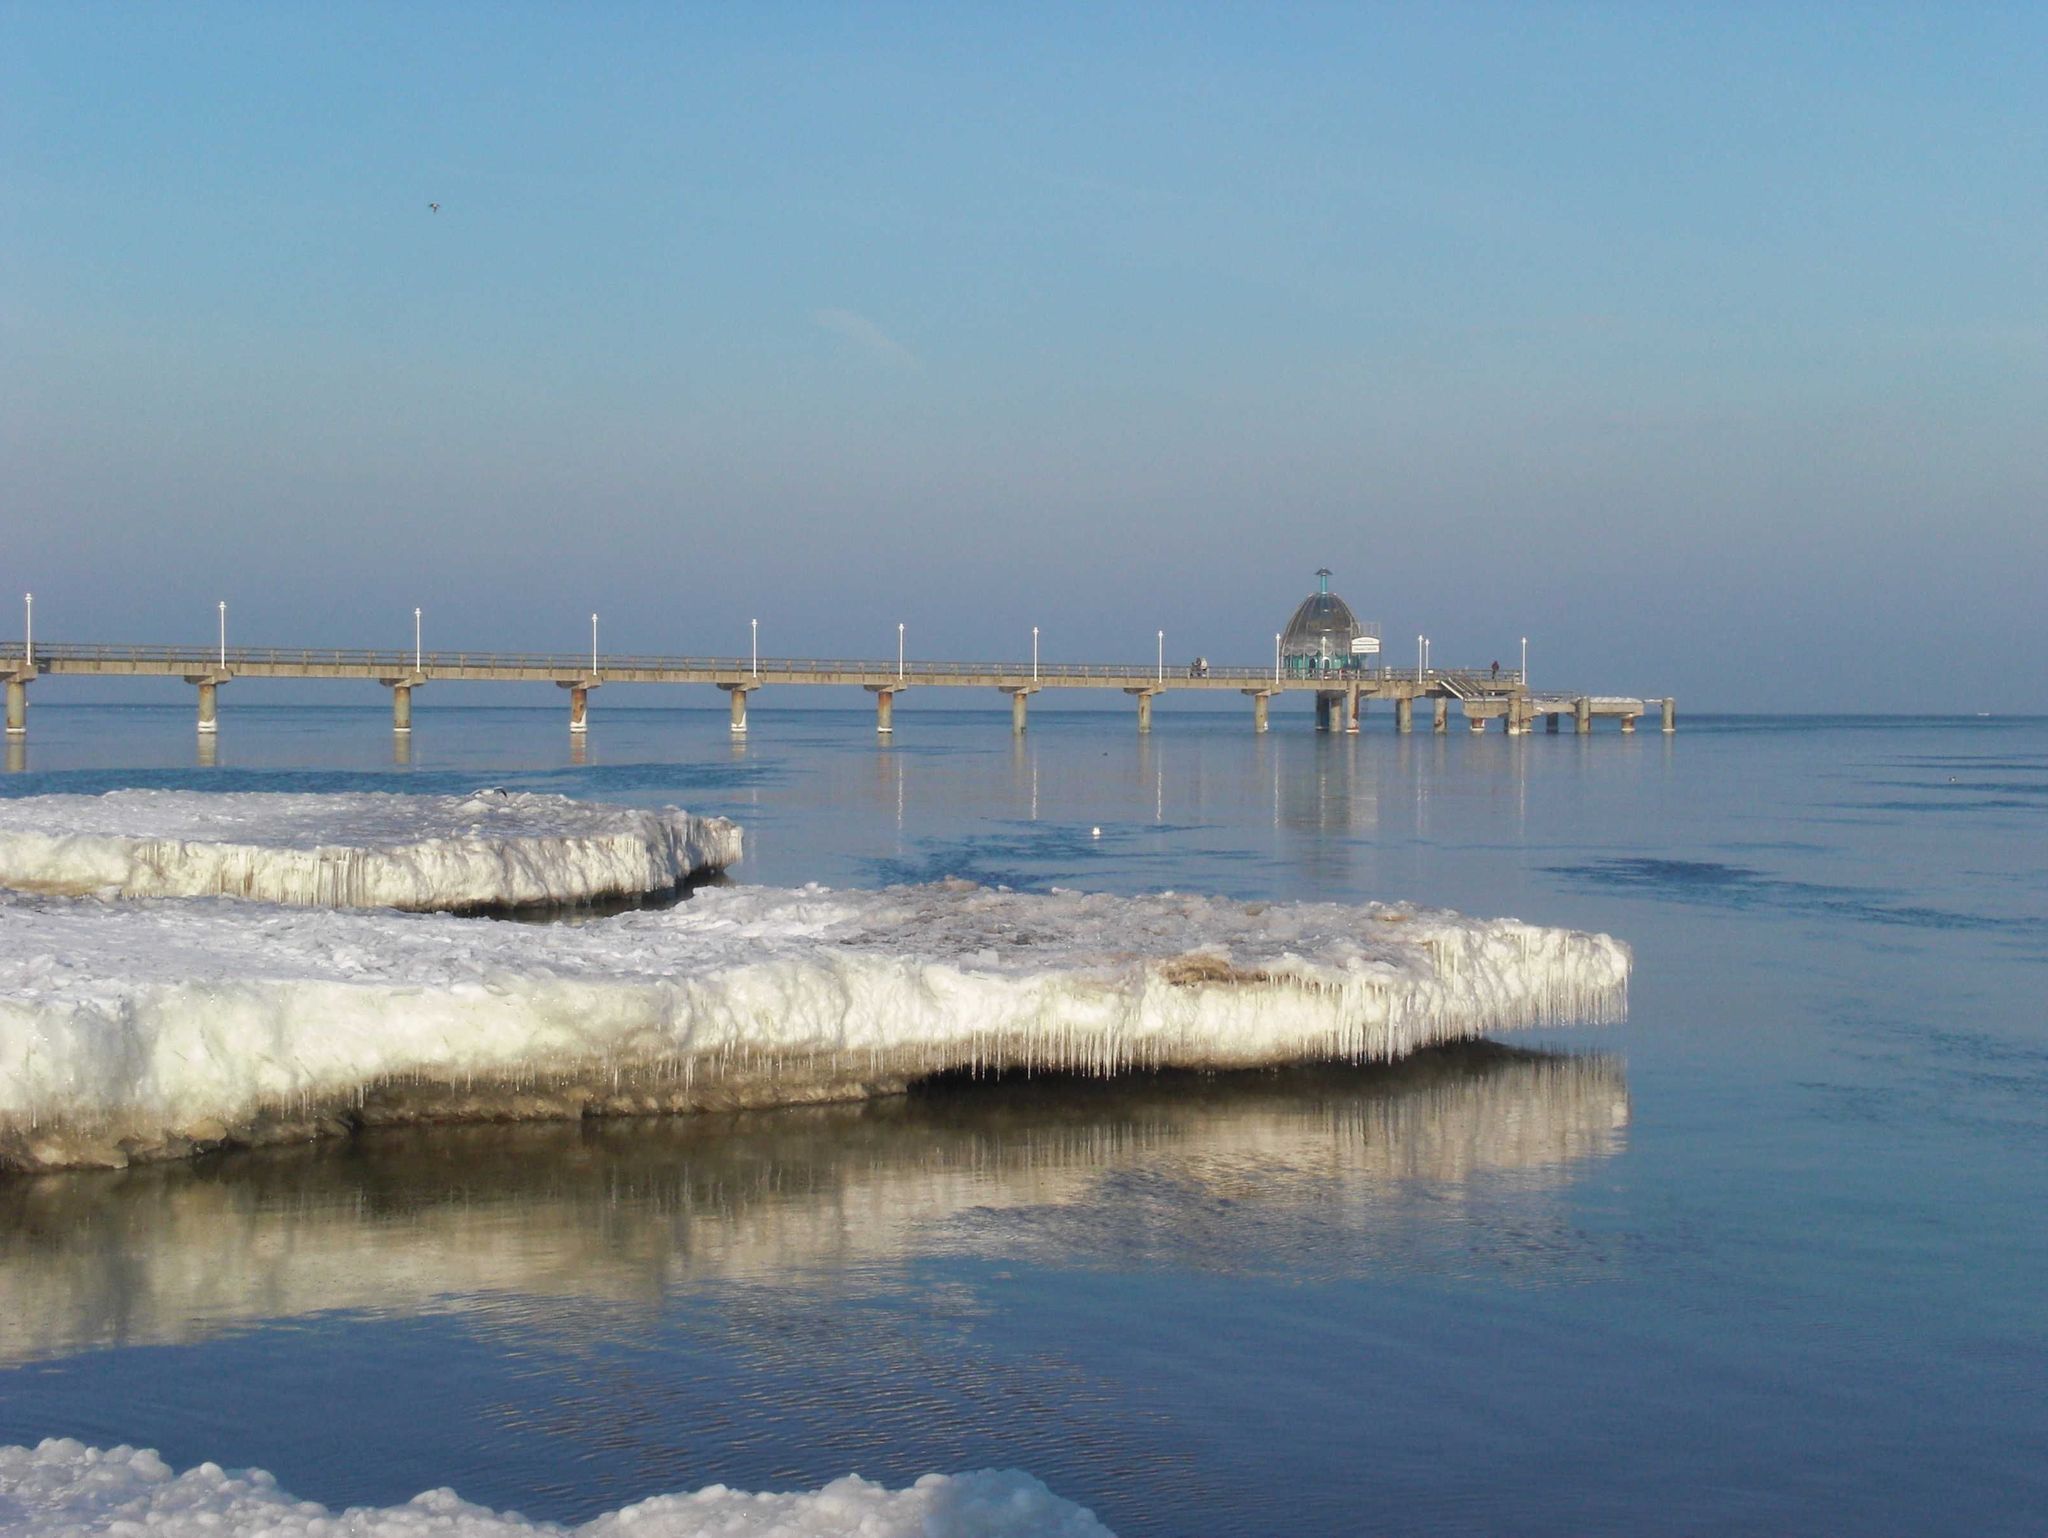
(1525, 662)
(1162, 656)
(1034, 654)
(1276, 659)
(754, 627)
(415, 640)
(28, 629)
(1418, 659)
(223, 634)
(899, 648)
(593, 644)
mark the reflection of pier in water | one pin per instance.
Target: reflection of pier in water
(1275, 1172)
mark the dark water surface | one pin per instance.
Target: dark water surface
(1770, 1258)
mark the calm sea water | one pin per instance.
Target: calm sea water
(1770, 1258)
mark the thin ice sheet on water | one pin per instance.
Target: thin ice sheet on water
(493, 848)
(64, 1489)
(133, 1030)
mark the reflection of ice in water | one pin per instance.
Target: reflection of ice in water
(1263, 1172)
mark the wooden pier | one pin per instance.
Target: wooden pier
(1481, 695)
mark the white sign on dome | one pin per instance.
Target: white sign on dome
(1364, 645)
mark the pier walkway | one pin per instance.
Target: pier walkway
(1341, 696)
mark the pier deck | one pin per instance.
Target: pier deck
(1481, 694)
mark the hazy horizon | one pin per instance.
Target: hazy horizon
(1707, 350)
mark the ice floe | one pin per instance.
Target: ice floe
(492, 849)
(153, 1029)
(64, 1489)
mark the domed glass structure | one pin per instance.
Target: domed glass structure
(1323, 635)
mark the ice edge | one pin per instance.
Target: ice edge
(751, 999)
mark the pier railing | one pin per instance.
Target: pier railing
(400, 662)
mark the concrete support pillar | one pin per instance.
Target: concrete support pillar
(1260, 703)
(1441, 720)
(17, 707)
(207, 721)
(885, 712)
(1550, 723)
(579, 704)
(1628, 723)
(1404, 715)
(1582, 715)
(739, 693)
(1670, 714)
(1144, 712)
(401, 707)
(1476, 723)
(1020, 710)
(1354, 707)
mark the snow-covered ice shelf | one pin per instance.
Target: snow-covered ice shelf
(492, 849)
(64, 1489)
(154, 1029)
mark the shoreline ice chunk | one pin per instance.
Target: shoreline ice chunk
(64, 1489)
(153, 1030)
(490, 849)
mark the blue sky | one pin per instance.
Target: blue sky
(1685, 341)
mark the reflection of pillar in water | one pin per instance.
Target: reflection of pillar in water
(1024, 777)
(401, 747)
(17, 755)
(579, 748)
(1329, 794)
(209, 750)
